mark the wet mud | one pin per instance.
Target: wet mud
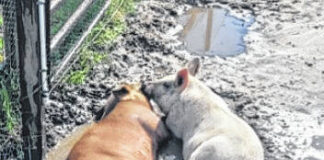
(213, 32)
(276, 85)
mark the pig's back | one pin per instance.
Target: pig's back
(123, 134)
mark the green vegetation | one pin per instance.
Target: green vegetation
(87, 60)
(7, 108)
(104, 33)
(62, 14)
(1, 41)
(8, 92)
(76, 32)
(1, 21)
(1, 57)
(107, 33)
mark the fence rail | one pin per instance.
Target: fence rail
(61, 70)
(55, 4)
(70, 23)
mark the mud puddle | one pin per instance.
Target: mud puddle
(213, 32)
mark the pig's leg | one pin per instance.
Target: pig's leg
(217, 148)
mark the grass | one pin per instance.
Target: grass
(103, 34)
(7, 108)
(1, 44)
(110, 31)
(117, 23)
(1, 41)
(62, 14)
(1, 57)
(76, 32)
(1, 20)
(88, 59)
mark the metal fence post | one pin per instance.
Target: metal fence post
(30, 79)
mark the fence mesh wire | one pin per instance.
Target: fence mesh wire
(10, 119)
(61, 16)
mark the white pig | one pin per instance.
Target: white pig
(208, 128)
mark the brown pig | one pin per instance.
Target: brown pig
(131, 131)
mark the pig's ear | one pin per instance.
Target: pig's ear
(120, 93)
(193, 66)
(182, 79)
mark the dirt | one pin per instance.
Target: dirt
(277, 85)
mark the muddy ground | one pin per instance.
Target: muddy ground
(277, 85)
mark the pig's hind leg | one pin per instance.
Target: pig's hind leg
(217, 148)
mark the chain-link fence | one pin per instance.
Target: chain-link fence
(10, 119)
(70, 21)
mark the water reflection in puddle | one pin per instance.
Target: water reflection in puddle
(213, 32)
